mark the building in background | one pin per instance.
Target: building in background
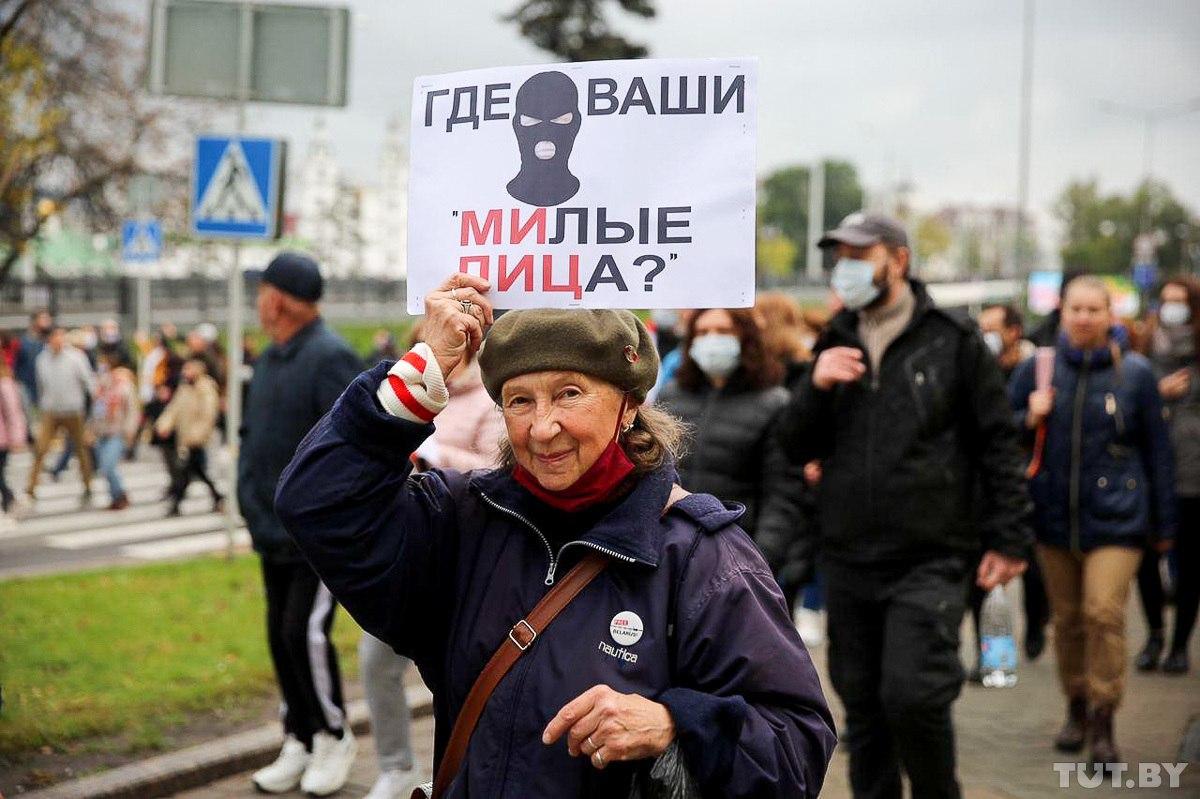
(354, 230)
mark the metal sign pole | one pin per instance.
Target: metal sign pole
(233, 375)
(233, 395)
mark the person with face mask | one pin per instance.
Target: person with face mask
(1174, 350)
(906, 409)
(727, 389)
(1003, 332)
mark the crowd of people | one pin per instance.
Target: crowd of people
(90, 395)
(889, 461)
(892, 461)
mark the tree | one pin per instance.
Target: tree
(783, 201)
(577, 30)
(933, 238)
(74, 126)
(1100, 229)
(775, 253)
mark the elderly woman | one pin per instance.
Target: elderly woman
(683, 638)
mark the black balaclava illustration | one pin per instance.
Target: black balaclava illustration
(545, 122)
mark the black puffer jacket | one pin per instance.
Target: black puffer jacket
(903, 449)
(734, 455)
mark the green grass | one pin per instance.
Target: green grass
(133, 651)
(358, 336)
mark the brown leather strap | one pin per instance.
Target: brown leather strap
(520, 637)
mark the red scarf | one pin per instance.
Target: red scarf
(595, 485)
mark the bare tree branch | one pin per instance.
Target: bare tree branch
(75, 125)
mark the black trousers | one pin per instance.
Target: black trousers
(893, 659)
(193, 465)
(6, 494)
(1187, 578)
(300, 614)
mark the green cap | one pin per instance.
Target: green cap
(611, 345)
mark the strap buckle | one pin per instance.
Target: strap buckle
(529, 636)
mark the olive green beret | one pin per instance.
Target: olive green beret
(611, 345)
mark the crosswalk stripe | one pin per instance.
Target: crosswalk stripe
(71, 489)
(158, 528)
(98, 519)
(187, 545)
(62, 506)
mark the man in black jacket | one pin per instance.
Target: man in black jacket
(296, 380)
(906, 409)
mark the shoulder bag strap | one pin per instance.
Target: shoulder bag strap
(519, 639)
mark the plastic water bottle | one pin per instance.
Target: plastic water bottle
(998, 656)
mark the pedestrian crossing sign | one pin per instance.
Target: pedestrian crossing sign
(237, 187)
(141, 241)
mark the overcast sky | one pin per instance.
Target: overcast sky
(922, 90)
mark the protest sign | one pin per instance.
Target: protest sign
(609, 184)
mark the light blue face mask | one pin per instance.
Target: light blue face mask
(853, 280)
(717, 354)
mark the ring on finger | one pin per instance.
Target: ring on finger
(468, 307)
(592, 744)
(598, 758)
(454, 293)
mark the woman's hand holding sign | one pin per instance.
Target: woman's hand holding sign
(457, 314)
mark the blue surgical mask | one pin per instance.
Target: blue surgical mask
(994, 342)
(717, 354)
(854, 281)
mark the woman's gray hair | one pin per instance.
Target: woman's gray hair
(656, 438)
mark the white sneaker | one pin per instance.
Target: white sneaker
(811, 624)
(284, 774)
(394, 784)
(332, 759)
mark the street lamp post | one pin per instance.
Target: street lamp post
(1024, 136)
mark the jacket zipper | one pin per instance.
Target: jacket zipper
(554, 559)
(545, 541)
(1077, 448)
(590, 545)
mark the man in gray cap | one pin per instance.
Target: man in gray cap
(296, 380)
(906, 409)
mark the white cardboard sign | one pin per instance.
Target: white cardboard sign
(607, 184)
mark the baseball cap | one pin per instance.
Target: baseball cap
(862, 229)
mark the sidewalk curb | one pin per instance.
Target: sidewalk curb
(201, 764)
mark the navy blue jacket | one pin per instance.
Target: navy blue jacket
(442, 564)
(24, 367)
(294, 385)
(1107, 474)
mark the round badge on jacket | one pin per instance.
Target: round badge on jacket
(626, 628)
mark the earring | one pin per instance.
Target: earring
(627, 428)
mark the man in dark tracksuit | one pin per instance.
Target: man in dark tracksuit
(906, 409)
(296, 380)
